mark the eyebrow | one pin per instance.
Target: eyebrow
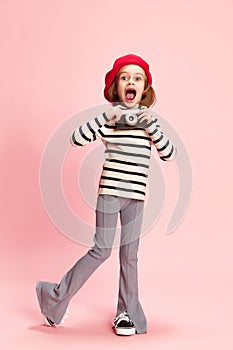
(123, 72)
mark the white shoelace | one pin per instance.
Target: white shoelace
(121, 317)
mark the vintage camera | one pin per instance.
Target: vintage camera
(129, 120)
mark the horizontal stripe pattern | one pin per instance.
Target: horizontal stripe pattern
(109, 178)
(127, 159)
(127, 172)
(127, 155)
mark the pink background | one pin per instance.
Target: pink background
(54, 55)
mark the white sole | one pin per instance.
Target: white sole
(61, 324)
(125, 331)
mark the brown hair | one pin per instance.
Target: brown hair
(148, 96)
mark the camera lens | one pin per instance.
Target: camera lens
(131, 119)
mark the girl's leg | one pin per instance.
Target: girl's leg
(54, 298)
(131, 219)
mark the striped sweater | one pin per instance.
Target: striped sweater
(127, 154)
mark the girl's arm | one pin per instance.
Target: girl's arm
(86, 133)
(164, 146)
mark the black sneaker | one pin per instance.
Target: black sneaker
(123, 325)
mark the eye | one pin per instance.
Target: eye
(123, 77)
(138, 78)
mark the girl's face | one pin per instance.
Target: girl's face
(130, 85)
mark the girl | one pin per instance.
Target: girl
(128, 87)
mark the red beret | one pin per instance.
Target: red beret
(121, 62)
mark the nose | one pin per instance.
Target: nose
(131, 81)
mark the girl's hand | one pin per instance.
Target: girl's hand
(114, 113)
(144, 114)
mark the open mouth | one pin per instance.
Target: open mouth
(130, 94)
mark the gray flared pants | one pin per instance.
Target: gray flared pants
(54, 298)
